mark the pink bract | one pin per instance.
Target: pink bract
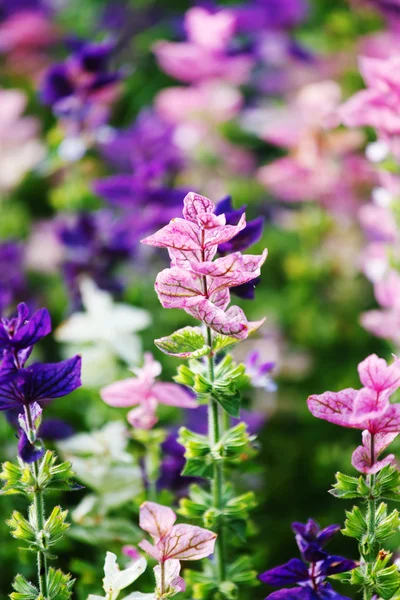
(196, 283)
(368, 408)
(173, 542)
(145, 392)
(361, 458)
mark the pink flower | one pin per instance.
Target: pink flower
(20, 148)
(204, 55)
(385, 323)
(368, 408)
(378, 223)
(146, 393)
(361, 459)
(170, 541)
(378, 105)
(196, 283)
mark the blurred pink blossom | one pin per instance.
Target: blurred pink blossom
(146, 393)
(20, 148)
(204, 55)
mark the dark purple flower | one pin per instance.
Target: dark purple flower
(19, 334)
(12, 280)
(309, 578)
(40, 382)
(95, 245)
(81, 89)
(242, 241)
(310, 538)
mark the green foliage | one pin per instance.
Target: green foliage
(228, 379)
(385, 485)
(233, 448)
(204, 584)
(23, 589)
(19, 478)
(187, 342)
(59, 585)
(29, 531)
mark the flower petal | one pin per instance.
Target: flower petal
(156, 519)
(294, 571)
(173, 394)
(377, 375)
(188, 542)
(335, 407)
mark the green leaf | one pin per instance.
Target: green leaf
(24, 590)
(222, 342)
(387, 582)
(346, 487)
(387, 483)
(385, 525)
(355, 524)
(187, 342)
(59, 585)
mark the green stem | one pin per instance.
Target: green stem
(371, 523)
(217, 485)
(38, 504)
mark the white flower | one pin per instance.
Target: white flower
(116, 580)
(106, 329)
(100, 460)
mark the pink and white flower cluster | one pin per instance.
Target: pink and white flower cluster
(197, 283)
(368, 408)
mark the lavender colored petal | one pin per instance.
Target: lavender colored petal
(56, 85)
(335, 564)
(297, 593)
(37, 327)
(29, 452)
(327, 534)
(53, 380)
(294, 571)
(246, 290)
(55, 429)
(326, 592)
(244, 239)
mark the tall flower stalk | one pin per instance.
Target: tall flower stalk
(200, 285)
(22, 390)
(370, 410)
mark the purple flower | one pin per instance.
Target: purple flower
(19, 334)
(311, 538)
(12, 281)
(244, 239)
(82, 89)
(260, 372)
(269, 14)
(51, 429)
(95, 244)
(309, 579)
(39, 382)
(30, 446)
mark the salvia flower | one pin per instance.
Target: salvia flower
(308, 575)
(25, 389)
(82, 89)
(368, 409)
(146, 393)
(195, 282)
(19, 334)
(260, 372)
(171, 544)
(116, 579)
(12, 280)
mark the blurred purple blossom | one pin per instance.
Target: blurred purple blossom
(95, 245)
(82, 89)
(260, 372)
(12, 280)
(242, 241)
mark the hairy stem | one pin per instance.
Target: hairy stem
(371, 510)
(38, 504)
(218, 475)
